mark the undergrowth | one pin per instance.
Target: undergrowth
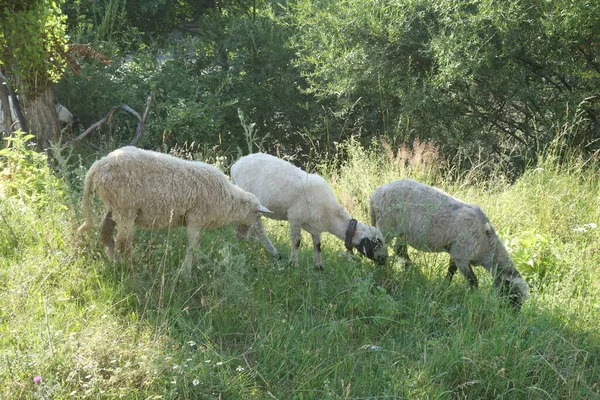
(76, 324)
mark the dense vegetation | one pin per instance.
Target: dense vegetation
(495, 102)
(485, 81)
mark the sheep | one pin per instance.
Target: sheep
(429, 219)
(157, 191)
(307, 202)
(65, 117)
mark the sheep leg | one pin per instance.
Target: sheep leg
(317, 251)
(295, 238)
(193, 235)
(401, 249)
(452, 268)
(125, 239)
(242, 231)
(107, 228)
(467, 271)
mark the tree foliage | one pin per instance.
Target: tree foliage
(32, 43)
(469, 74)
(480, 78)
(226, 62)
(33, 57)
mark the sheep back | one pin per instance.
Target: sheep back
(161, 191)
(288, 191)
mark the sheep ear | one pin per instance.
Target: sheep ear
(263, 210)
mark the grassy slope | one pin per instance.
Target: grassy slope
(248, 327)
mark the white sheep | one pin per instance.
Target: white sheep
(428, 219)
(157, 191)
(307, 202)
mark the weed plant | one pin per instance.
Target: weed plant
(74, 324)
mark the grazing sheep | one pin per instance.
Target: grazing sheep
(156, 191)
(65, 117)
(307, 201)
(430, 220)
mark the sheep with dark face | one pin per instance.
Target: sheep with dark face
(430, 220)
(157, 191)
(307, 201)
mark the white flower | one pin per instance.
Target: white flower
(195, 382)
(585, 227)
(240, 369)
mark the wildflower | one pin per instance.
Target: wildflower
(195, 382)
(37, 379)
(240, 369)
(585, 227)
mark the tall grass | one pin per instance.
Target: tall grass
(249, 327)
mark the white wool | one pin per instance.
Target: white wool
(303, 199)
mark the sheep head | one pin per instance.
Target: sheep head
(516, 291)
(368, 240)
(511, 285)
(249, 208)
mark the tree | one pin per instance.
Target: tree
(477, 76)
(233, 59)
(32, 55)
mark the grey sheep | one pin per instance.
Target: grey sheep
(430, 220)
(157, 191)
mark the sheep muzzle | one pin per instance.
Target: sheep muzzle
(368, 247)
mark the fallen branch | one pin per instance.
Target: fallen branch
(139, 132)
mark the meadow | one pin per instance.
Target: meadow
(74, 324)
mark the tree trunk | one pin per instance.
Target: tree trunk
(43, 119)
(7, 117)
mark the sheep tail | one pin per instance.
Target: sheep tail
(86, 202)
(372, 215)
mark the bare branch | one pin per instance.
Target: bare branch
(140, 127)
(108, 117)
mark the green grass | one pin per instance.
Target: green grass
(249, 327)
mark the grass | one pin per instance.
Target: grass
(249, 327)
